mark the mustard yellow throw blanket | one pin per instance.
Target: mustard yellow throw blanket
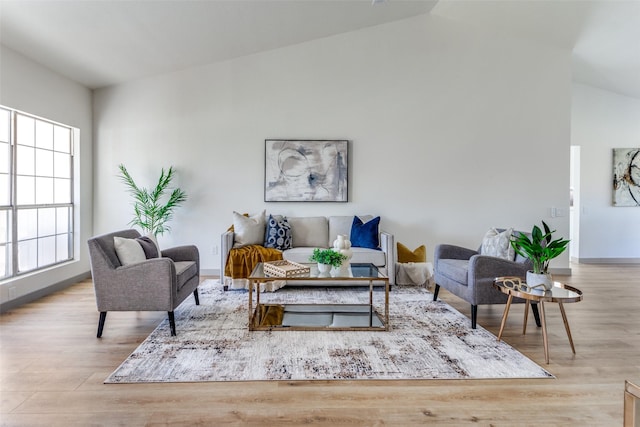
(242, 261)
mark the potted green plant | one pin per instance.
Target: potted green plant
(327, 258)
(540, 249)
(151, 212)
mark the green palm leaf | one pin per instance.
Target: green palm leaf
(150, 213)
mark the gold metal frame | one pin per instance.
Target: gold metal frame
(560, 293)
(257, 276)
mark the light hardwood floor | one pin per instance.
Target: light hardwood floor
(53, 367)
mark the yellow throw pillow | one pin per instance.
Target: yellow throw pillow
(407, 255)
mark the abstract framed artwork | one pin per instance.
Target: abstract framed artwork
(626, 177)
(306, 170)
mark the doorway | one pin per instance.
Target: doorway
(574, 204)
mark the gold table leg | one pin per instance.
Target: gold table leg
(566, 326)
(370, 303)
(386, 305)
(251, 305)
(526, 317)
(545, 340)
(504, 316)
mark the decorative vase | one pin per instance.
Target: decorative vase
(342, 271)
(534, 279)
(343, 245)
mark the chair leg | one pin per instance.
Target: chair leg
(172, 323)
(536, 314)
(195, 295)
(435, 292)
(474, 316)
(103, 317)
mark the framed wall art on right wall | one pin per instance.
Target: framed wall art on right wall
(626, 177)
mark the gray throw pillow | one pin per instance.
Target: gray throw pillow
(148, 246)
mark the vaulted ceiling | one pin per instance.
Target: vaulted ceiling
(100, 43)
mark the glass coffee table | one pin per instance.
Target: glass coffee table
(559, 293)
(320, 316)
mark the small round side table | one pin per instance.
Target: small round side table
(560, 293)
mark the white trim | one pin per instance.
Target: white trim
(609, 260)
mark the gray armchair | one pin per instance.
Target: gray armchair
(469, 275)
(157, 284)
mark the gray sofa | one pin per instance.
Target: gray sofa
(313, 232)
(469, 275)
(156, 284)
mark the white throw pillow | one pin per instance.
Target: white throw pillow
(128, 251)
(498, 244)
(248, 230)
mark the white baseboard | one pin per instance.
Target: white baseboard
(609, 260)
(24, 299)
(210, 272)
(560, 271)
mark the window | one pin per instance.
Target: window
(36, 193)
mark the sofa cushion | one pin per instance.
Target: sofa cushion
(278, 233)
(299, 254)
(310, 231)
(366, 255)
(498, 244)
(360, 255)
(248, 230)
(454, 269)
(365, 235)
(185, 270)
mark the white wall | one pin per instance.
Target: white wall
(453, 131)
(602, 121)
(29, 87)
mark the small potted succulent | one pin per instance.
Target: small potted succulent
(540, 249)
(327, 258)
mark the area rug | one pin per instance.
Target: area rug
(427, 340)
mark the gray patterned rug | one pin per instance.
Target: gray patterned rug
(428, 340)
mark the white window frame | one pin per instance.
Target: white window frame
(55, 245)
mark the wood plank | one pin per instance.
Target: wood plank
(52, 369)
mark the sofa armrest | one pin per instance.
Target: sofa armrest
(226, 244)
(183, 253)
(452, 252)
(484, 269)
(490, 267)
(387, 244)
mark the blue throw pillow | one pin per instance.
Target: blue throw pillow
(278, 234)
(365, 235)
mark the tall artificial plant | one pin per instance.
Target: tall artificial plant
(540, 248)
(151, 212)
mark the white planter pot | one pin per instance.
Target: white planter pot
(544, 279)
(324, 268)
